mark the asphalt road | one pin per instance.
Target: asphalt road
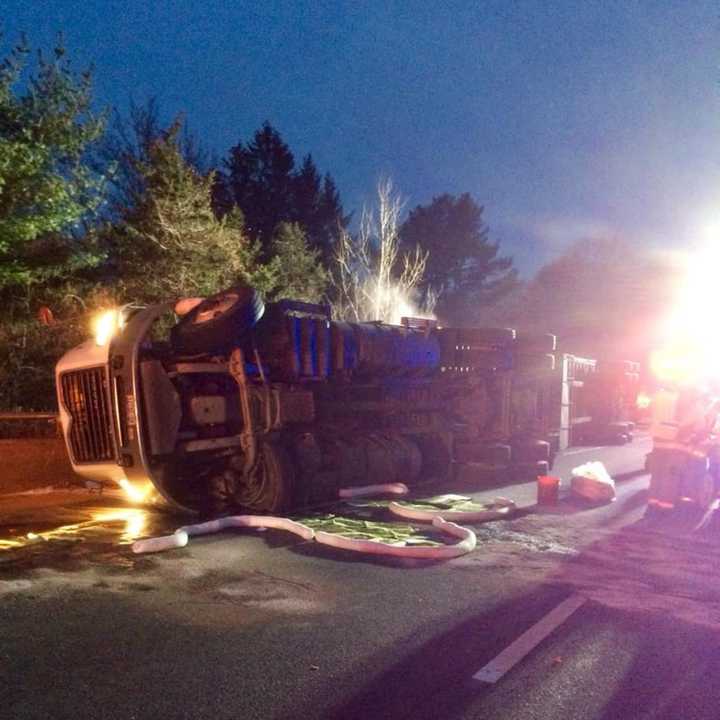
(261, 625)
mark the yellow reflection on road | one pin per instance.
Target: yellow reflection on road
(136, 492)
(134, 519)
(9, 544)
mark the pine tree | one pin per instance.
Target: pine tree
(169, 243)
(260, 178)
(317, 208)
(297, 268)
(127, 145)
(47, 188)
(259, 181)
(463, 265)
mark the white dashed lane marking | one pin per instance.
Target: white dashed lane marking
(528, 641)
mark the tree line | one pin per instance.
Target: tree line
(100, 208)
(105, 208)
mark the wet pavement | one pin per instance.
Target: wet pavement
(263, 625)
(67, 528)
(64, 527)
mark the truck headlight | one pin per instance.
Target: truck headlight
(107, 324)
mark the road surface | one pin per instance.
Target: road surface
(262, 625)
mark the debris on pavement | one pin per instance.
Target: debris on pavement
(591, 482)
(452, 507)
(360, 531)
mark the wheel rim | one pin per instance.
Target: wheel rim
(263, 488)
(215, 307)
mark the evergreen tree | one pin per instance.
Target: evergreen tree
(297, 269)
(463, 266)
(169, 242)
(47, 187)
(306, 195)
(260, 178)
(126, 148)
(317, 208)
(259, 182)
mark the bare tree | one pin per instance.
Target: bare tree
(373, 281)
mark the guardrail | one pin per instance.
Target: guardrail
(33, 453)
(28, 416)
(28, 425)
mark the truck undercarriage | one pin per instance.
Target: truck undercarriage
(276, 408)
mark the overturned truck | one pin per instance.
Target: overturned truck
(272, 408)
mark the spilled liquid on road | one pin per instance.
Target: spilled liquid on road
(133, 522)
(69, 534)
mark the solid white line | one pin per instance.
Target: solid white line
(528, 641)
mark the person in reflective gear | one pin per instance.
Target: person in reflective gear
(683, 431)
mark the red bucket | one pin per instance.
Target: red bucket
(548, 490)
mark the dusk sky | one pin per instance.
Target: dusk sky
(564, 119)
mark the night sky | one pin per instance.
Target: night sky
(565, 119)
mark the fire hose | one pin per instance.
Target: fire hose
(438, 517)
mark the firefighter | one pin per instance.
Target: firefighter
(683, 462)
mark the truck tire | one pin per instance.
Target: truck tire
(615, 436)
(625, 427)
(436, 456)
(269, 487)
(218, 322)
(705, 492)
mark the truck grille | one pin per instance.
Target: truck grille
(85, 395)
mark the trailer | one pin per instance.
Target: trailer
(596, 399)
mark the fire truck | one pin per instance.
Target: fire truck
(275, 407)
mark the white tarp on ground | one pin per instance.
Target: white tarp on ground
(593, 483)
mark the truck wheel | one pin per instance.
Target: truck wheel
(269, 487)
(217, 323)
(436, 457)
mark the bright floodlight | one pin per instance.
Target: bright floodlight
(691, 346)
